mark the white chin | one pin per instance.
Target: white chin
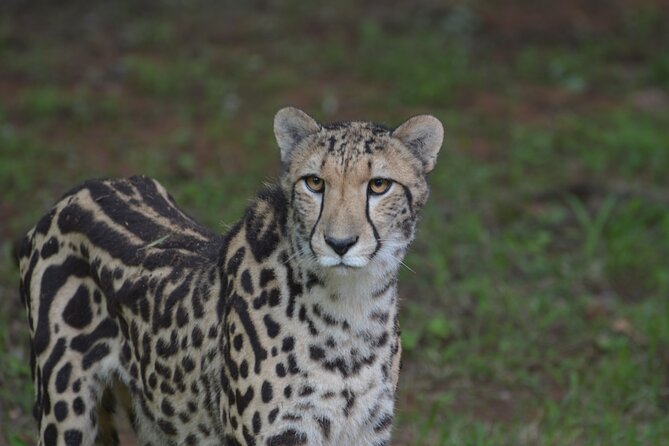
(343, 263)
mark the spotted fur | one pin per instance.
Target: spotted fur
(274, 334)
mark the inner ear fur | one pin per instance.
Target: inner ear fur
(292, 125)
(423, 135)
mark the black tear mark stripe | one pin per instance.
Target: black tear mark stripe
(318, 219)
(376, 233)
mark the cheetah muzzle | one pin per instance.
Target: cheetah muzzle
(281, 332)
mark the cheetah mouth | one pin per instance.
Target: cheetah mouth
(344, 266)
(343, 263)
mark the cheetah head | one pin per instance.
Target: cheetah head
(355, 189)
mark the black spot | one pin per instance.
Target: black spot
(273, 328)
(165, 349)
(292, 365)
(266, 275)
(244, 369)
(288, 437)
(291, 417)
(287, 391)
(213, 332)
(382, 340)
(288, 344)
(50, 435)
(274, 297)
(257, 423)
(385, 287)
(166, 388)
(350, 401)
(316, 353)
(272, 415)
(73, 437)
(247, 283)
(259, 301)
(178, 376)
(384, 423)
(167, 408)
(78, 406)
(44, 223)
(238, 342)
(94, 355)
(63, 378)
(243, 400)
(60, 410)
(381, 316)
(324, 423)
(313, 280)
(266, 392)
(77, 312)
(188, 364)
(306, 391)
(294, 287)
(49, 248)
(182, 317)
(167, 427)
(197, 337)
(204, 429)
(280, 370)
(235, 261)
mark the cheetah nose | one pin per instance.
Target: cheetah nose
(341, 245)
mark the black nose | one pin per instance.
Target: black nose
(341, 245)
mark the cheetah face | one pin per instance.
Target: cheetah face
(355, 188)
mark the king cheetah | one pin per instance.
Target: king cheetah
(281, 332)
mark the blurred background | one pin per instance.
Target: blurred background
(536, 307)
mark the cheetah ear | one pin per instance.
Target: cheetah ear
(292, 125)
(423, 135)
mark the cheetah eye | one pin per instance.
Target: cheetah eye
(314, 183)
(379, 186)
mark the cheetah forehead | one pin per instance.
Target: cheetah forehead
(413, 145)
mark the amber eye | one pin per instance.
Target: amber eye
(314, 183)
(379, 186)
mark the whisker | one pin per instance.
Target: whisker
(296, 254)
(406, 266)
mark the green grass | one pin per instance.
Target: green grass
(536, 312)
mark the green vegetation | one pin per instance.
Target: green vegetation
(536, 307)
